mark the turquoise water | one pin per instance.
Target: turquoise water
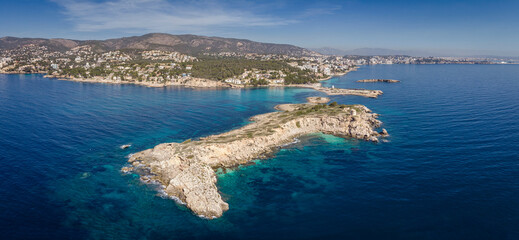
(449, 170)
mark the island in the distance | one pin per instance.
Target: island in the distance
(186, 170)
(378, 80)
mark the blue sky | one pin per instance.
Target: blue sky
(446, 27)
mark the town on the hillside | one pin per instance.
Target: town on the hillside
(162, 67)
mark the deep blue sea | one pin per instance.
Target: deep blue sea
(449, 170)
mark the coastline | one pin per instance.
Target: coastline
(187, 81)
(22, 73)
(192, 82)
(211, 84)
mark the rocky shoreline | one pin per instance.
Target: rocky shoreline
(192, 82)
(187, 170)
(21, 72)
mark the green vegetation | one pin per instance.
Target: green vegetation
(75, 72)
(99, 71)
(160, 66)
(300, 77)
(256, 82)
(220, 69)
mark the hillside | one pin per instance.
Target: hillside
(187, 44)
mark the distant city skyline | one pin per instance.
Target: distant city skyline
(441, 27)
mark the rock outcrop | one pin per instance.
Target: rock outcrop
(317, 99)
(344, 91)
(186, 170)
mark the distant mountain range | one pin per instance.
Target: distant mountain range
(195, 45)
(187, 44)
(414, 53)
(370, 52)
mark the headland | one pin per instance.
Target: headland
(192, 82)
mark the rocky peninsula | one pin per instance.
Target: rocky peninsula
(378, 80)
(187, 170)
(344, 91)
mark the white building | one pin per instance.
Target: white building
(233, 81)
(327, 71)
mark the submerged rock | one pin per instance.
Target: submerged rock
(85, 175)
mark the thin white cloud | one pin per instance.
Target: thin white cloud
(318, 11)
(160, 15)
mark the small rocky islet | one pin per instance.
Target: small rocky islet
(186, 170)
(378, 80)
